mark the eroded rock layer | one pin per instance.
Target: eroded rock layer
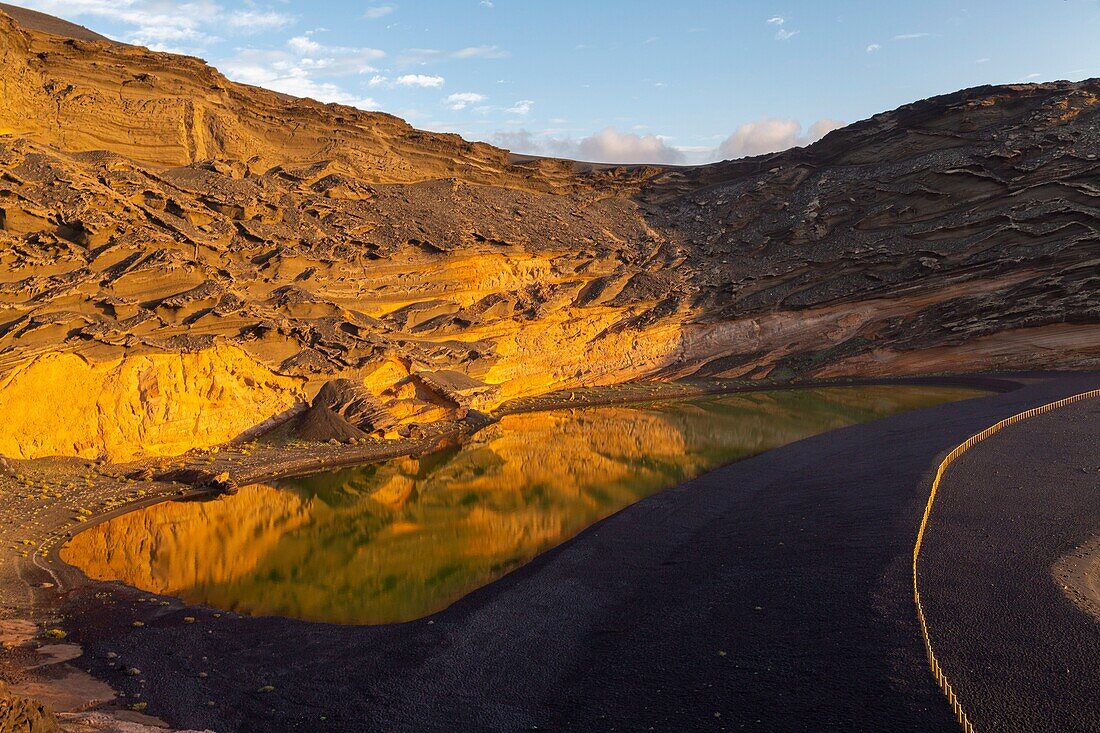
(955, 233)
(154, 215)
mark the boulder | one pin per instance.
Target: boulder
(355, 404)
(24, 715)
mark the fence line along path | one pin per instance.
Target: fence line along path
(933, 662)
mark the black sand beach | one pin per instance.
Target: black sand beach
(773, 594)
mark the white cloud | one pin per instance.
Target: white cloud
(367, 103)
(295, 81)
(607, 146)
(304, 45)
(378, 11)
(419, 80)
(771, 134)
(420, 56)
(291, 80)
(479, 52)
(612, 146)
(911, 36)
(257, 20)
(821, 128)
(304, 67)
(193, 24)
(461, 100)
(763, 136)
(424, 81)
(781, 33)
(486, 3)
(873, 47)
(520, 141)
(305, 54)
(522, 107)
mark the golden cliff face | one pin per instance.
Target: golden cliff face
(404, 538)
(152, 404)
(150, 207)
(190, 220)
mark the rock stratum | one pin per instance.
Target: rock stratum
(184, 259)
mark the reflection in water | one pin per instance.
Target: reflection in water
(398, 540)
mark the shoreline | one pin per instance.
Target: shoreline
(612, 394)
(70, 579)
(452, 433)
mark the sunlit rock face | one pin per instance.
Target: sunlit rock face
(137, 405)
(405, 538)
(150, 206)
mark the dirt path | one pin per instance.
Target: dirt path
(1012, 511)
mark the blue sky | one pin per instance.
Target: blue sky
(662, 81)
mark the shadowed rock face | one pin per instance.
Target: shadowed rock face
(149, 205)
(960, 232)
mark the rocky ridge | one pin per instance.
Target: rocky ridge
(185, 259)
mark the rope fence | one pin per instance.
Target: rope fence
(933, 662)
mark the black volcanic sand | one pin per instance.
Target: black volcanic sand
(1021, 655)
(773, 595)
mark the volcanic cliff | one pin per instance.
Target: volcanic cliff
(184, 259)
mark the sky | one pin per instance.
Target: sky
(658, 81)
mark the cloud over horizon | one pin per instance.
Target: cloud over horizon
(772, 134)
(610, 145)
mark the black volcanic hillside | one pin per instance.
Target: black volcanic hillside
(963, 228)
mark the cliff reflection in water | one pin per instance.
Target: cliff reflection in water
(401, 539)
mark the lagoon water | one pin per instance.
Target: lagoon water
(398, 540)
